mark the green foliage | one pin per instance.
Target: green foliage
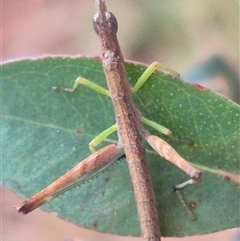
(46, 133)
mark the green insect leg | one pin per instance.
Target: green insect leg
(83, 81)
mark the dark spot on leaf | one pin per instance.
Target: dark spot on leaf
(107, 179)
(103, 193)
(82, 209)
(190, 143)
(200, 87)
(17, 185)
(78, 132)
(192, 205)
(95, 224)
(227, 178)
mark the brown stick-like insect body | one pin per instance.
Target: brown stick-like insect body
(131, 133)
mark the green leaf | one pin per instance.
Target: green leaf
(46, 133)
